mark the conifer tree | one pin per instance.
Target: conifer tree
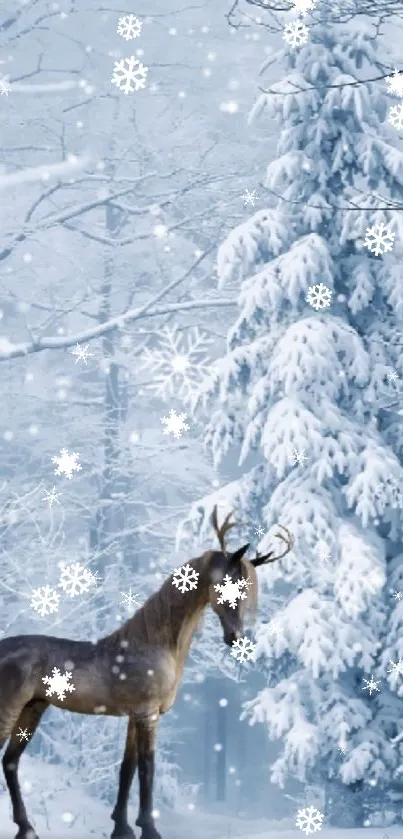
(303, 396)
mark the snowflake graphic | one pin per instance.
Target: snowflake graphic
(230, 591)
(304, 6)
(130, 600)
(298, 456)
(52, 497)
(396, 667)
(342, 747)
(45, 600)
(319, 296)
(295, 33)
(249, 198)
(4, 87)
(175, 424)
(180, 364)
(392, 375)
(260, 531)
(397, 595)
(129, 74)
(243, 649)
(309, 820)
(23, 734)
(185, 578)
(378, 238)
(395, 116)
(66, 463)
(129, 26)
(94, 577)
(371, 685)
(395, 83)
(75, 579)
(58, 683)
(82, 353)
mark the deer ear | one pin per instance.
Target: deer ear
(237, 555)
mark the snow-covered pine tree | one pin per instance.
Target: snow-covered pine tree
(301, 397)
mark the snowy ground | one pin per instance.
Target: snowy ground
(60, 811)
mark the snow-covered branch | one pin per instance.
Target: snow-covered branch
(44, 172)
(9, 350)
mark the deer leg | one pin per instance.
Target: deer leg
(146, 730)
(28, 720)
(122, 829)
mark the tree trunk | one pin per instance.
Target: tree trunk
(344, 804)
(221, 756)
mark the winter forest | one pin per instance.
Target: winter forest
(201, 309)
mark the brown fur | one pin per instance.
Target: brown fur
(135, 671)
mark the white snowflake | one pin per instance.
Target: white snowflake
(94, 577)
(397, 595)
(175, 424)
(52, 497)
(342, 747)
(378, 238)
(309, 819)
(58, 683)
(129, 26)
(185, 578)
(82, 353)
(304, 6)
(392, 376)
(130, 600)
(395, 116)
(75, 579)
(180, 364)
(129, 74)
(4, 86)
(260, 531)
(295, 33)
(319, 296)
(243, 649)
(298, 456)
(395, 83)
(23, 734)
(249, 198)
(45, 600)
(396, 667)
(230, 591)
(371, 685)
(66, 463)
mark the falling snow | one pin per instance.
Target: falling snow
(185, 578)
(129, 27)
(371, 685)
(249, 198)
(298, 456)
(51, 496)
(379, 239)
(130, 600)
(231, 591)
(45, 600)
(243, 649)
(295, 33)
(319, 296)
(129, 75)
(82, 353)
(75, 579)
(175, 424)
(58, 683)
(179, 364)
(309, 820)
(66, 463)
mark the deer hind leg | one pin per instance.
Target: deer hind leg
(122, 829)
(28, 720)
(146, 731)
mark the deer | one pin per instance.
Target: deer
(133, 672)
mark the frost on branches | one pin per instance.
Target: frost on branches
(296, 380)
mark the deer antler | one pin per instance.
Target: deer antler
(222, 530)
(266, 558)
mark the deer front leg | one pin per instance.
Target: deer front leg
(122, 829)
(146, 731)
